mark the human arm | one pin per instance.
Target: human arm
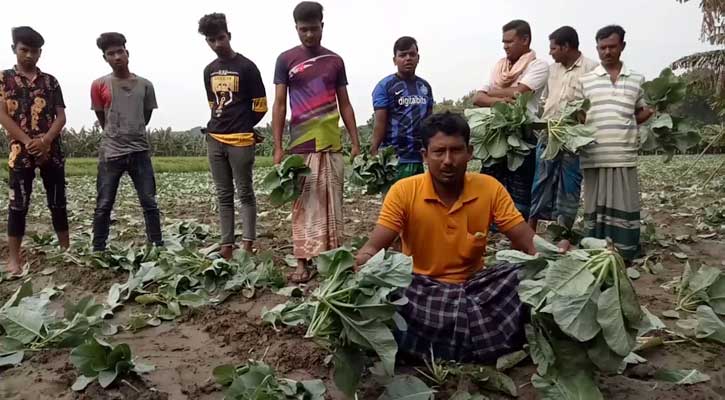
(258, 94)
(12, 128)
(41, 146)
(642, 112)
(101, 116)
(348, 118)
(279, 112)
(380, 125)
(483, 99)
(381, 238)
(149, 103)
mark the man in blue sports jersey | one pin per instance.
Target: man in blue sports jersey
(401, 102)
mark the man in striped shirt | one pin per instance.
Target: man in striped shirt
(611, 182)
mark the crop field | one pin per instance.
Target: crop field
(182, 314)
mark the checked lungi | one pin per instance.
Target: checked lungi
(476, 321)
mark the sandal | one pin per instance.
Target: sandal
(304, 277)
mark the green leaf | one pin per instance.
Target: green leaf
(611, 318)
(406, 387)
(603, 357)
(224, 374)
(681, 376)
(577, 316)
(508, 361)
(90, 358)
(541, 351)
(568, 277)
(25, 321)
(82, 382)
(716, 295)
(709, 326)
(577, 386)
(349, 366)
(14, 358)
(490, 379)
(106, 377)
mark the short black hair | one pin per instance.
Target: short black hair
(566, 35)
(608, 31)
(521, 27)
(449, 123)
(109, 39)
(404, 43)
(213, 24)
(27, 36)
(308, 11)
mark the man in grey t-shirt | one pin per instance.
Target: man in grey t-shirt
(123, 103)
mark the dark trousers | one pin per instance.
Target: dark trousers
(21, 187)
(139, 168)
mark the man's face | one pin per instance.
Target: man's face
(447, 157)
(219, 43)
(514, 45)
(310, 33)
(557, 52)
(407, 60)
(27, 57)
(610, 49)
(116, 57)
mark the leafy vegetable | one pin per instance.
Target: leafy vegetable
(566, 132)
(283, 180)
(706, 285)
(500, 133)
(666, 130)
(256, 380)
(98, 360)
(584, 316)
(376, 173)
(681, 376)
(352, 310)
(709, 325)
(407, 387)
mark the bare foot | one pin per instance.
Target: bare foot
(15, 267)
(226, 251)
(248, 246)
(302, 275)
(63, 240)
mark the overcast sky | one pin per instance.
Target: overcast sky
(459, 42)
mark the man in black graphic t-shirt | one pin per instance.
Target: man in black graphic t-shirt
(238, 102)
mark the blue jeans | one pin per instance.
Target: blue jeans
(139, 168)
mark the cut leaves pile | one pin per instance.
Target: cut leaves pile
(585, 315)
(256, 380)
(98, 360)
(566, 132)
(28, 324)
(667, 130)
(703, 291)
(500, 133)
(351, 312)
(283, 181)
(376, 173)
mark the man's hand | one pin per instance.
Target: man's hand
(278, 155)
(373, 151)
(360, 259)
(354, 152)
(564, 246)
(38, 147)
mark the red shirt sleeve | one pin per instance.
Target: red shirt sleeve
(100, 96)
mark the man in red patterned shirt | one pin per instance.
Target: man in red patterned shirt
(32, 112)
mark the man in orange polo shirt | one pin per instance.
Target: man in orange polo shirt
(457, 307)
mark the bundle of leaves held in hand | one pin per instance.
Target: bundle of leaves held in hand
(377, 173)
(283, 180)
(566, 132)
(585, 315)
(667, 130)
(350, 312)
(498, 133)
(256, 380)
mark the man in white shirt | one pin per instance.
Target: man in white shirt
(556, 191)
(517, 73)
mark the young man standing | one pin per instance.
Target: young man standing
(519, 72)
(32, 112)
(609, 166)
(123, 103)
(457, 308)
(556, 190)
(401, 102)
(237, 99)
(316, 80)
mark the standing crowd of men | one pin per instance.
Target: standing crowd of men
(456, 306)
